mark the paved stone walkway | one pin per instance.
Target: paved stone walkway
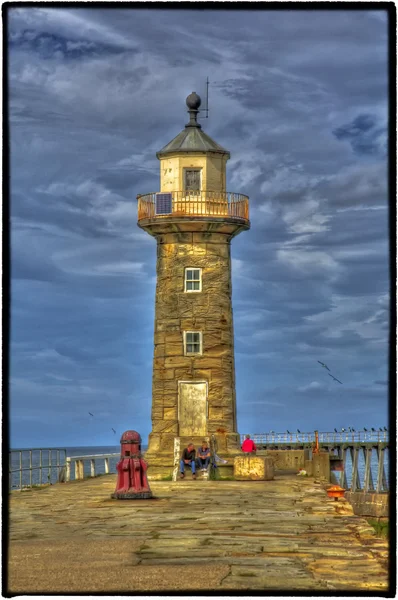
(276, 535)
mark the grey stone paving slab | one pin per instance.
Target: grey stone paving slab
(284, 534)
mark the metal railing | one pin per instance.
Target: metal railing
(357, 475)
(79, 462)
(358, 456)
(25, 464)
(41, 466)
(203, 203)
(324, 437)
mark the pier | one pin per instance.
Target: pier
(284, 534)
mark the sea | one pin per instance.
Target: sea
(53, 461)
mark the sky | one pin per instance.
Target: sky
(299, 98)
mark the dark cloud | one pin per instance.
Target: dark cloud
(364, 135)
(50, 45)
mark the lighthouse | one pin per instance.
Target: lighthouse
(193, 219)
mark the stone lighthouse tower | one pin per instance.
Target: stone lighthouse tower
(193, 219)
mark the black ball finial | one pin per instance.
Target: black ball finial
(193, 101)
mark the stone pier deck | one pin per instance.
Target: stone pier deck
(276, 535)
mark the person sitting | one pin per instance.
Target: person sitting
(248, 445)
(203, 456)
(188, 458)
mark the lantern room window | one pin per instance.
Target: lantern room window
(192, 180)
(192, 342)
(193, 280)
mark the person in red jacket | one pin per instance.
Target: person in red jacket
(248, 445)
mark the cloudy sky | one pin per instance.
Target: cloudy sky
(299, 98)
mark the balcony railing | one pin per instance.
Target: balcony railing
(199, 204)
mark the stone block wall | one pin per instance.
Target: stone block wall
(212, 166)
(286, 460)
(208, 311)
(369, 504)
(321, 466)
(250, 467)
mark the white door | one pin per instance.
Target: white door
(192, 408)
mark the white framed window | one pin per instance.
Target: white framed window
(193, 342)
(192, 180)
(193, 280)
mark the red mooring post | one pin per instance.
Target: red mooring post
(132, 482)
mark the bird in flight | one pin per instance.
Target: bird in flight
(323, 365)
(113, 430)
(335, 378)
(91, 414)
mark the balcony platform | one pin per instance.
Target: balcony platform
(224, 212)
(206, 211)
(284, 534)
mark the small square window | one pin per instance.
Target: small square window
(193, 342)
(192, 180)
(193, 280)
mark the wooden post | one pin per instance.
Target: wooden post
(368, 484)
(61, 476)
(106, 465)
(177, 446)
(92, 465)
(384, 479)
(79, 469)
(343, 475)
(356, 483)
(68, 468)
(380, 469)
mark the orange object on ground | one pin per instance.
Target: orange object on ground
(335, 492)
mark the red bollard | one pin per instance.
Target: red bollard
(132, 481)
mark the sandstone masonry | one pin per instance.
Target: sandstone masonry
(193, 384)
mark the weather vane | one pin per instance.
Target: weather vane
(207, 102)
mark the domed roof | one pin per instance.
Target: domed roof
(192, 138)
